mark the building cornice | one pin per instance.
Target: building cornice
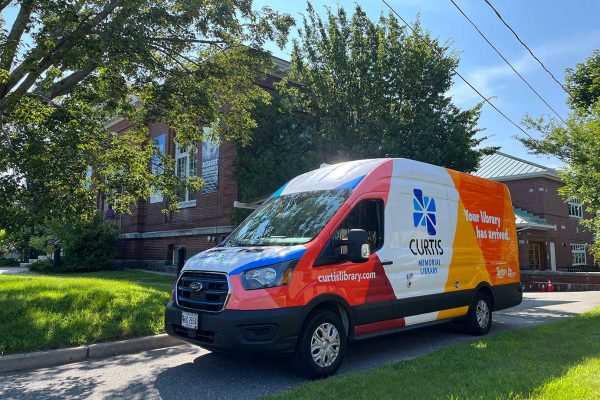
(213, 230)
(113, 122)
(545, 174)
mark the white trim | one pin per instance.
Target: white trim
(213, 230)
(251, 205)
(552, 249)
(187, 204)
(113, 122)
(543, 174)
(533, 225)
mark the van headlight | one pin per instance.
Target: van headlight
(273, 275)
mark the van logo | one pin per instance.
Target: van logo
(196, 286)
(424, 211)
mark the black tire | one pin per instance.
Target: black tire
(475, 322)
(303, 359)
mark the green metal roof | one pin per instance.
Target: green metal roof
(501, 165)
(526, 220)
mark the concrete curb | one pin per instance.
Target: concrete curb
(50, 358)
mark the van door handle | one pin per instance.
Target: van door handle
(387, 262)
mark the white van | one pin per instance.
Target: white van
(348, 251)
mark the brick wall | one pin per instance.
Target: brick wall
(539, 195)
(159, 251)
(561, 281)
(210, 211)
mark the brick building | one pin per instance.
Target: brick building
(548, 229)
(150, 238)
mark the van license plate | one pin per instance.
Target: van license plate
(189, 320)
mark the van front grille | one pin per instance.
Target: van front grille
(202, 291)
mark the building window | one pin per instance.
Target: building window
(578, 254)
(186, 162)
(157, 169)
(575, 209)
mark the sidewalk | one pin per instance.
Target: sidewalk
(50, 358)
(173, 274)
(16, 271)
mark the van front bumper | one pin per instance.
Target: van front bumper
(238, 331)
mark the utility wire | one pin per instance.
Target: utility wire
(459, 75)
(506, 61)
(527, 47)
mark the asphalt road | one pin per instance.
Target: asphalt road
(187, 372)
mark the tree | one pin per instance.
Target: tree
(577, 143)
(376, 90)
(583, 83)
(281, 147)
(66, 68)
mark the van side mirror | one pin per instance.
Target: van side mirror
(358, 245)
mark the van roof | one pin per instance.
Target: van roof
(347, 175)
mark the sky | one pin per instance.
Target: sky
(560, 33)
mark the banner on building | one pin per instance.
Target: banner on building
(210, 166)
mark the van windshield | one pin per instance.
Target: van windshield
(287, 220)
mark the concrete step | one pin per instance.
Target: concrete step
(24, 264)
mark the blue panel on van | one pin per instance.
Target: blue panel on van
(278, 192)
(351, 184)
(285, 255)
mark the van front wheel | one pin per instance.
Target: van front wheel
(479, 319)
(321, 345)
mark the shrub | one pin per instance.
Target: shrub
(8, 262)
(44, 266)
(89, 245)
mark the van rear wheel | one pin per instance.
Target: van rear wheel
(321, 345)
(479, 319)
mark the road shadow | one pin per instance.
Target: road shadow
(70, 387)
(66, 381)
(541, 309)
(218, 376)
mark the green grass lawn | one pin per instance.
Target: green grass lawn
(48, 312)
(560, 360)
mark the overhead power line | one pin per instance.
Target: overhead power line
(506, 61)
(409, 26)
(527, 47)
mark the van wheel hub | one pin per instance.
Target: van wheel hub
(325, 345)
(482, 313)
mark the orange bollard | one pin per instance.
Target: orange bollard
(550, 287)
(543, 288)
